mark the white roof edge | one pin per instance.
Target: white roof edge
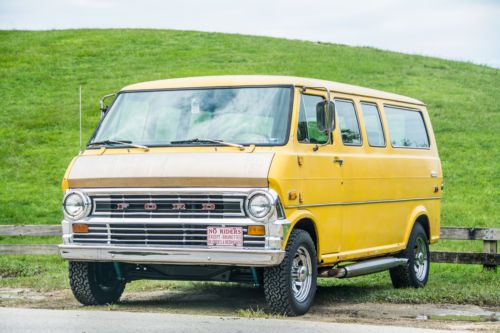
(230, 80)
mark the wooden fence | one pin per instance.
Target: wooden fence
(489, 258)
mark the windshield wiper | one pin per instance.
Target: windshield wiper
(197, 140)
(118, 142)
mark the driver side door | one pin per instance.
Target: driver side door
(320, 177)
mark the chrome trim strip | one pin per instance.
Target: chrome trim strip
(139, 234)
(243, 221)
(79, 240)
(214, 200)
(99, 241)
(105, 198)
(166, 214)
(172, 191)
(92, 228)
(83, 235)
(165, 255)
(361, 202)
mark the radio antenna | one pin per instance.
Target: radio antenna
(80, 119)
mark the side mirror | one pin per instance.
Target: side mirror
(331, 116)
(325, 116)
(321, 122)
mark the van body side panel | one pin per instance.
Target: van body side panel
(380, 189)
(367, 206)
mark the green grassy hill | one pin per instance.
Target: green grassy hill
(39, 77)
(40, 73)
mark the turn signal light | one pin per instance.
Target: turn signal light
(256, 230)
(80, 228)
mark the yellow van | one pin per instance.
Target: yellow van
(270, 180)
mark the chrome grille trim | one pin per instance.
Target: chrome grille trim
(225, 206)
(153, 233)
(233, 222)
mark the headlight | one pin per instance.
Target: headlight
(76, 205)
(260, 205)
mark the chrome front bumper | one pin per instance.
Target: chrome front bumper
(178, 256)
(269, 255)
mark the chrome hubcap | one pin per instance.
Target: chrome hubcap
(301, 274)
(420, 264)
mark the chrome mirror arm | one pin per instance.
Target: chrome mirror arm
(103, 107)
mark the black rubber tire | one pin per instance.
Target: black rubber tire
(278, 279)
(405, 276)
(95, 283)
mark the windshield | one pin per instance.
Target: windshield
(256, 115)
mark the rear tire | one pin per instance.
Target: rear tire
(415, 272)
(290, 287)
(94, 283)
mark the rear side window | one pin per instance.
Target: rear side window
(373, 125)
(308, 131)
(348, 122)
(406, 128)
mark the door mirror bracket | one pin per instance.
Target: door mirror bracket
(102, 106)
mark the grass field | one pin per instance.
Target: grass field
(447, 284)
(40, 73)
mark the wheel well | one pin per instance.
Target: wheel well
(308, 226)
(424, 222)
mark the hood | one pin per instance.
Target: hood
(171, 170)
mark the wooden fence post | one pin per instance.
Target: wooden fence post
(490, 250)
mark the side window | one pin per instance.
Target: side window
(406, 127)
(348, 122)
(307, 131)
(373, 125)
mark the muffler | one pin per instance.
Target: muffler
(364, 267)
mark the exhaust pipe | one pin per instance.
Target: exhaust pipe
(364, 267)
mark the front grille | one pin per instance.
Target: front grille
(168, 206)
(154, 234)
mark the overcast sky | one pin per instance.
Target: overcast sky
(454, 29)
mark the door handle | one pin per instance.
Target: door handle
(338, 160)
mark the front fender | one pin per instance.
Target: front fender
(298, 216)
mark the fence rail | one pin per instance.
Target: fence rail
(489, 258)
(30, 230)
(28, 249)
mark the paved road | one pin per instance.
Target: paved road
(13, 320)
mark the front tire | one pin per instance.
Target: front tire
(94, 283)
(290, 287)
(415, 272)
